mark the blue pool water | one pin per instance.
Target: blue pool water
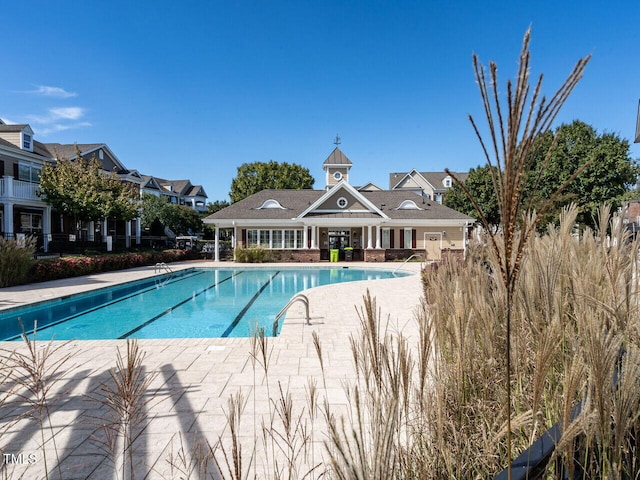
(195, 303)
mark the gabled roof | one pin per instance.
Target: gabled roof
(38, 148)
(12, 128)
(196, 191)
(434, 179)
(334, 192)
(369, 187)
(397, 178)
(68, 151)
(337, 158)
(175, 186)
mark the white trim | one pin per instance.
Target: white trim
(354, 193)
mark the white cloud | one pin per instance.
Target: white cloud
(67, 113)
(58, 127)
(58, 119)
(53, 92)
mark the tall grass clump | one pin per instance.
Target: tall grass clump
(16, 257)
(125, 400)
(575, 324)
(514, 125)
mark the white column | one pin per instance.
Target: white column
(138, 231)
(216, 248)
(369, 238)
(104, 230)
(305, 238)
(314, 242)
(378, 231)
(91, 231)
(127, 233)
(234, 235)
(8, 219)
(46, 227)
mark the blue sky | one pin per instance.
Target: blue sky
(193, 89)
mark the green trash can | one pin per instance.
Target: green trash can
(333, 255)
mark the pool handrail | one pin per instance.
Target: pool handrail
(298, 297)
(415, 255)
(160, 266)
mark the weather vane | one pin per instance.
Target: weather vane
(337, 140)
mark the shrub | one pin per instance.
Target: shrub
(16, 257)
(254, 255)
(65, 267)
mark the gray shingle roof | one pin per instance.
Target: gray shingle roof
(337, 158)
(68, 151)
(297, 201)
(13, 127)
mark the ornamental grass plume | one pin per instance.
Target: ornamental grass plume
(513, 129)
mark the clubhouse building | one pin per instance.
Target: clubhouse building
(343, 222)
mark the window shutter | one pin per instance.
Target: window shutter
(402, 238)
(244, 238)
(413, 238)
(15, 171)
(391, 238)
(308, 237)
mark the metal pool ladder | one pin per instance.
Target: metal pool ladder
(161, 266)
(296, 298)
(415, 255)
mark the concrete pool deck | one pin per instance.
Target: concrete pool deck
(192, 379)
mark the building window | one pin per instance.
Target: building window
(264, 237)
(342, 202)
(276, 239)
(271, 203)
(386, 238)
(28, 172)
(31, 223)
(289, 238)
(447, 182)
(337, 176)
(252, 238)
(407, 238)
(26, 141)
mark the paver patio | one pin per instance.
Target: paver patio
(192, 379)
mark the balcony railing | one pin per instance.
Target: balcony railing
(18, 189)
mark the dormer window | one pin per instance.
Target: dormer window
(271, 203)
(27, 142)
(408, 205)
(447, 182)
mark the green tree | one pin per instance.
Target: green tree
(82, 190)
(180, 219)
(480, 183)
(257, 176)
(610, 174)
(608, 177)
(213, 207)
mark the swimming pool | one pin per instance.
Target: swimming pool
(192, 303)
